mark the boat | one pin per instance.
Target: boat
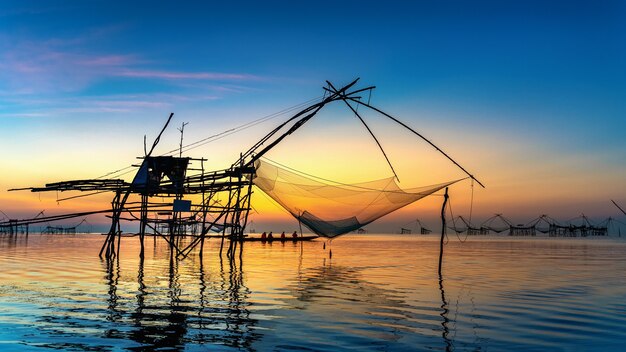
(278, 239)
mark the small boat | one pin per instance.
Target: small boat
(278, 239)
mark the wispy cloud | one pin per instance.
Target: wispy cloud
(168, 75)
(61, 65)
(59, 76)
(24, 115)
(107, 61)
(42, 69)
(34, 107)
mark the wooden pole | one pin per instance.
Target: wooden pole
(443, 228)
(226, 212)
(618, 207)
(143, 222)
(204, 212)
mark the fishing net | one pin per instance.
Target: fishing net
(331, 209)
(497, 224)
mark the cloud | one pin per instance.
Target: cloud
(107, 61)
(61, 65)
(62, 76)
(41, 69)
(24, 115)
(168, 75)
(33, 107)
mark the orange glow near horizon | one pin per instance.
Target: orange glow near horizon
(520, 189)
(521, 178)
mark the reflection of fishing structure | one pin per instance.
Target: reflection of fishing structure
(169, 319)
(445, 329)
(166, 184)
(328, 288)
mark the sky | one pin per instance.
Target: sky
(530, 96)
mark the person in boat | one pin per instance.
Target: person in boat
(269, 236)
(263, 236)
(294, 235)
(282, 236)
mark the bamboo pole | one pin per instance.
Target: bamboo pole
(443, 228)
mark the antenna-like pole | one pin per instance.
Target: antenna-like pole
(182, 132)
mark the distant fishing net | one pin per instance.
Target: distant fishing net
(331, 209)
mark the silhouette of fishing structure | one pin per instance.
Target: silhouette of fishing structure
(580, 226)
(12, 227)
(408, 228)
(162, 183)
(62, 230)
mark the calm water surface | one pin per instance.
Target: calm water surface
(378, 292)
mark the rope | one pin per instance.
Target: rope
(302, 173)
(220, 135)
(471, 201)
(454, 224)
(239, 128)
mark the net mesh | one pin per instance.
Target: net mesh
(329, 209)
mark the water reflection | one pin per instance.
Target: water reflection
(329, 296)
(173, 317)
(12, 240)
(374, 294)
(444, 314)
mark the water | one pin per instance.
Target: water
(377, 293)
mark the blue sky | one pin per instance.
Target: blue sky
(512, 88)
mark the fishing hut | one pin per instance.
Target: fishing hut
(160, 186)
(58, 230)
(522, 230)
(528, 229)
(557, 230)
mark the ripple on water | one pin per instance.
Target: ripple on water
(377, 293)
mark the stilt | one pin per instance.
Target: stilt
(443, 227)
(143, 223)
